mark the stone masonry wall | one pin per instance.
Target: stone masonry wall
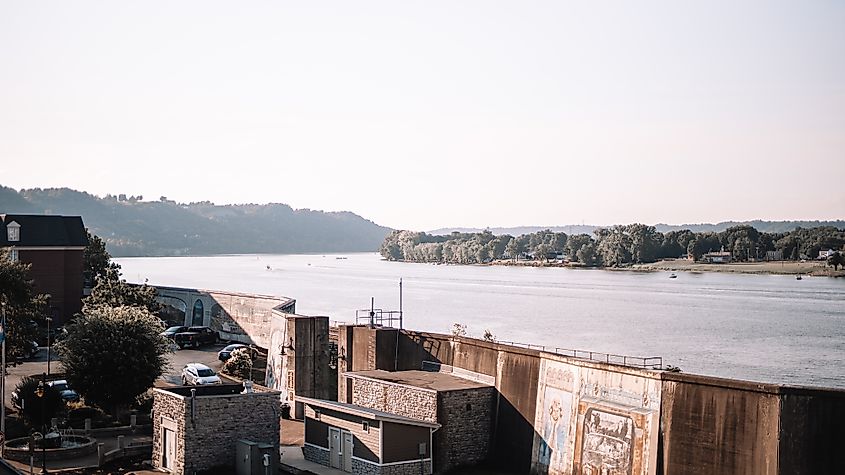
(403, 400)
(467, 420)
(410, 468)
(220, 421)
(316, 455)
(173, 407)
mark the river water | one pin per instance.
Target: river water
(755, 327)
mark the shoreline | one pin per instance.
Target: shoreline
(810, 268)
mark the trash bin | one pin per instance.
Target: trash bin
(285, 411)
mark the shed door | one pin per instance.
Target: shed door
(334, 447)
(168, 461)
(347, 451)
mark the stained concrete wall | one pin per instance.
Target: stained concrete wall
(244, 318)
(298, 358)
(812, 431)
(713, 425)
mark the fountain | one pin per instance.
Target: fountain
(53, 446)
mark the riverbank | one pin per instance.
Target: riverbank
(814, 268)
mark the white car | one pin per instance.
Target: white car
(198, 373)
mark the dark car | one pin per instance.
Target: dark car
(226, 353)
(196, 336)
(171, 331)
(64, 390)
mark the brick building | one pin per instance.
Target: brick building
(464, 408)
(198, 428)
(54, 246)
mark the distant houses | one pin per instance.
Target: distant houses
(721, 257)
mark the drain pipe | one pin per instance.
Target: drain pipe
(193, 405)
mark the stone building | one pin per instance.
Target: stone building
(366, 441)
(54, 247)
(198, 428)
(464, 408)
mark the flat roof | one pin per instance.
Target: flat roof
(432, 380)
(365, 412)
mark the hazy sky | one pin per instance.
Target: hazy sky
(427, 114)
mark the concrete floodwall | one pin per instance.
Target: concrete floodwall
(245, 318)
(559, 415)
(714, 425)
(812, 431)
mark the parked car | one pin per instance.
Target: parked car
(196, 336)
(226, 353)
(198, 373)
(68, 394)
(171, 331)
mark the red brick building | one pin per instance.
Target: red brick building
(54, 246)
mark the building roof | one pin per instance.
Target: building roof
(39, 230)
(365, 412)
(432, 380)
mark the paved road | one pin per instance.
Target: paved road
(178, 359)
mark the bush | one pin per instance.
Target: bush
(38, 410)
(239, 364)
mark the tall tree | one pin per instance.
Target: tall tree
(97, 260)
(112, 355)
(835, 260)
(112, 291)
(22, 304)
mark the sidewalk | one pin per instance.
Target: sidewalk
(294, 462)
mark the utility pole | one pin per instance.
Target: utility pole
(3, 379)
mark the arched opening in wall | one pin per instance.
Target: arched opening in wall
(173, 311)
(196, 318)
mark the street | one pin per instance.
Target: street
(178, 359)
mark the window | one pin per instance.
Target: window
(13, 255)
(365, 426)
(13, 232)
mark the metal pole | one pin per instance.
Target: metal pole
(400, 303)
(3, 382)
(48, 343)
(44, 425)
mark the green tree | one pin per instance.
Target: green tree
(835, 260)
(575, 243)
(97, 260)
(112, 355)
(22, 304)
(112, 291)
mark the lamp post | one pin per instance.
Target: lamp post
(41, 392)
(48, 344)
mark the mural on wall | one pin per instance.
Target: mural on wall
(595, 421)
(553, 421)
(557, 405)
(607, 443)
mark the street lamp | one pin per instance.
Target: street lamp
(48, 344)
(41, 392)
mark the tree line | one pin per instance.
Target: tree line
(615, 246)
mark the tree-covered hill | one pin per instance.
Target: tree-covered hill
(133, 227)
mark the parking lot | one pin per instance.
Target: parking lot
(178, 359)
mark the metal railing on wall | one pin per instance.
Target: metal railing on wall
(649, 362)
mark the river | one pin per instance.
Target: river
(765, 328)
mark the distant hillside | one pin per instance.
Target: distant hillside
(165, 228)
(762, 226)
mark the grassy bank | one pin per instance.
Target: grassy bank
(817, 268)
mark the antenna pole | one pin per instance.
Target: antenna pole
(372, 312)
(400, 303)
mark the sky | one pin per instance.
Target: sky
(420, 115)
